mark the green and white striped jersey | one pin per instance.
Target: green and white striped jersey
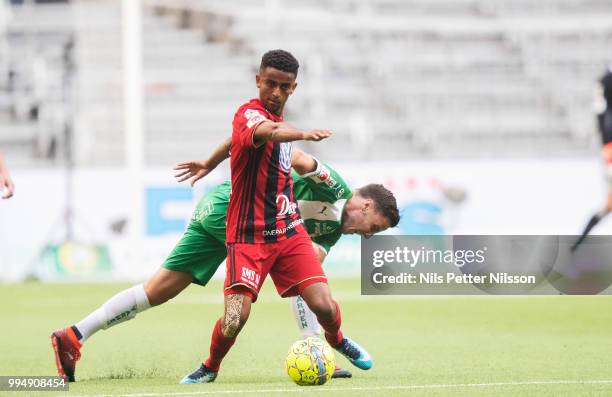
(321, 197)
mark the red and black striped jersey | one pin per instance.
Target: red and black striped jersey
(262, 207)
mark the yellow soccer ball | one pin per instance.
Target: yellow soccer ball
(310, 362)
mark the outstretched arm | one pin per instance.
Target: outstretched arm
(282, 132)
(301, 161)
(5, 180)
(198, 169)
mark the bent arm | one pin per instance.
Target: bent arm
(302, 162)
(198, 169)
(221, 153)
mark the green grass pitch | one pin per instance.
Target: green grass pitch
(422, 346)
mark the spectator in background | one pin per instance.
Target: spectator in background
(5, 180)
(603, 109)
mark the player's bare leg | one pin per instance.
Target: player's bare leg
(67, 342)
(318, 298)
(236, 314)
(225, 331)
(166, 284)
(162, 286)
(595, 219)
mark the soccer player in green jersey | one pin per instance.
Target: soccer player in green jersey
(326, 203)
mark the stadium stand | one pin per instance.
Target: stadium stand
(425, 79)
(31, 82)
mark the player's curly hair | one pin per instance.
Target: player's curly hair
(281, 60)
(384, 201)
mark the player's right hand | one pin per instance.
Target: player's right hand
(192, 169)
(317, 135)
(6, 184)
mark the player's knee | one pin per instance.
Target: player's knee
(329, 308)
(166, 284)
(156, 300)
(323, 307)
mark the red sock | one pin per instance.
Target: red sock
(219, 346)
(332, 329)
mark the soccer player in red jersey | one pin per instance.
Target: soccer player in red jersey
(265, 233)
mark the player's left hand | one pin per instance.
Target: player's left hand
(195, 170)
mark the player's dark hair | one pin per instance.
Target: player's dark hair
(281, 60)
(383, 200)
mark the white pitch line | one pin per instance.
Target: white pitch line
(335, 389)
(217, 299)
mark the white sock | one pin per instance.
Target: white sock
(305, 318)
(119, 308)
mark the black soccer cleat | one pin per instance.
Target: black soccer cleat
(201, 375)
(340, 373)
(357, 355)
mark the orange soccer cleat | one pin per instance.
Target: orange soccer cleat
(67, 352)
